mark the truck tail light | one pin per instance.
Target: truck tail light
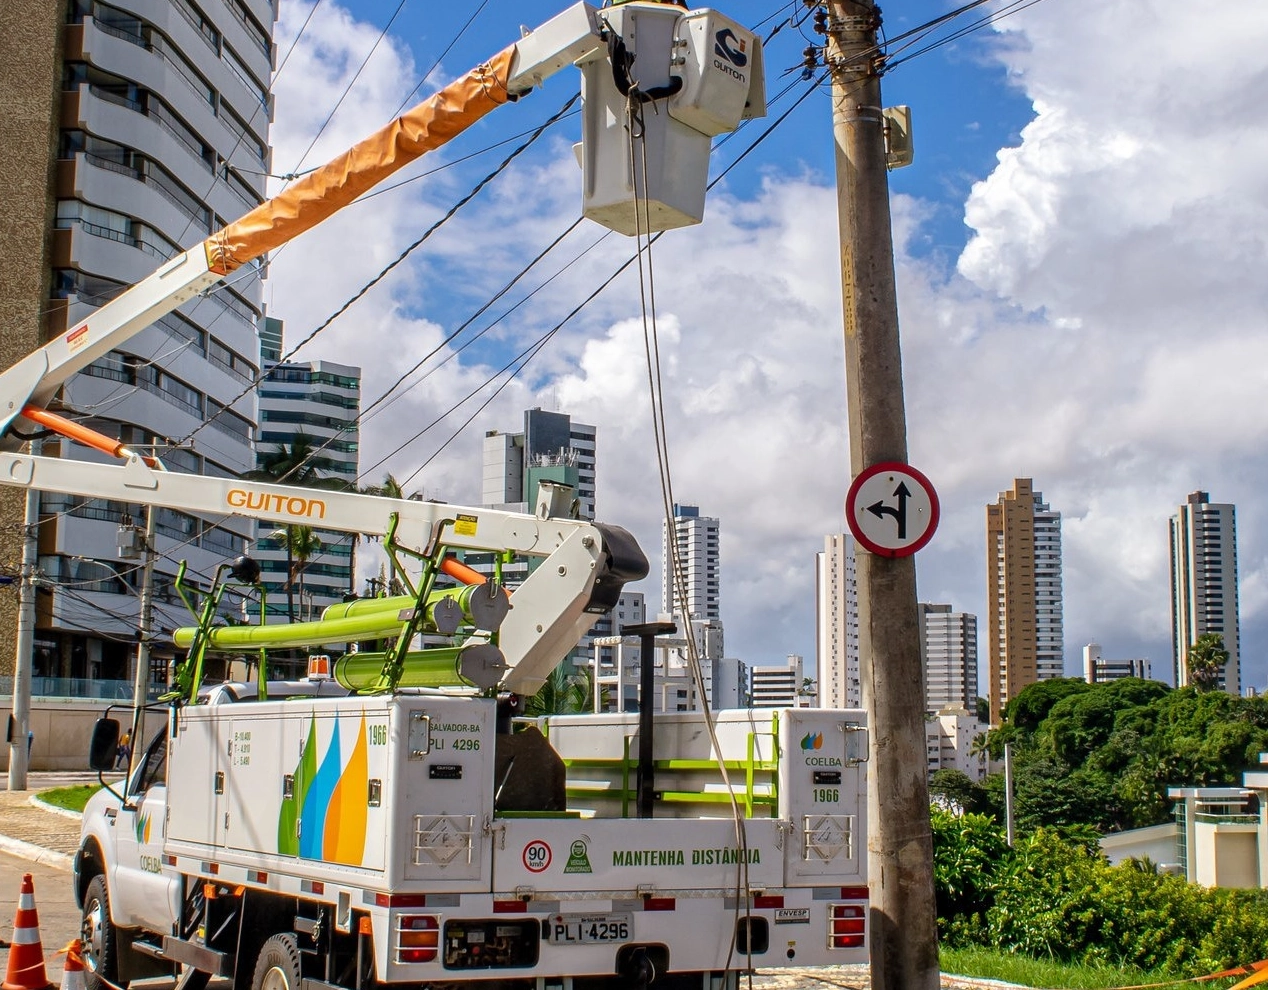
(847, 926)
(417, 938)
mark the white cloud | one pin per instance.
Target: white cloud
(1103, 332)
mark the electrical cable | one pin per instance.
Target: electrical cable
(402, 256)
(348, 89)
(532, 351)
(651, 344)
(1015, 7)
(371, 411)
(441, 57)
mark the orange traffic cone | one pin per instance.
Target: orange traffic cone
(26, 955)
(73, 969)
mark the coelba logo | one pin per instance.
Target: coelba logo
(726, 45)
(812, 740)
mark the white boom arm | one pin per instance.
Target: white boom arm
(550, 612)
(708, 95)
(567, 38)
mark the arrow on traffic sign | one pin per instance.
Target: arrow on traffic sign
(880, 509)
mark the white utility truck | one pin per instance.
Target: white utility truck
(395, 823)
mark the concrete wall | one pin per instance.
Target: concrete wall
(62, 731)
(1160, 843)
(1225, 855)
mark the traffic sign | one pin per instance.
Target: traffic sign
(892, 509)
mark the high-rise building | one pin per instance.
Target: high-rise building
(1023, 594)
(775, 686)
(131, 132)
(837, 625)
(1099, 670)
(317, 402)
(948, 657)
(1204, 584)
(953, 742)
(696, 539)
(551, 448)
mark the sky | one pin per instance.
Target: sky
(1080, 261)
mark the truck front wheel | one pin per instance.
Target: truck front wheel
(99, 938)
(277, 967)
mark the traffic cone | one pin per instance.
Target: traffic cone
(73, 968)
(26, 954)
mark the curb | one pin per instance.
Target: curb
(36, 854)
(53, 809)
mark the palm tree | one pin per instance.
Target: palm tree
(390, 488)
(302, 544)
(563, 693)
(1206, 661)
(298, 464)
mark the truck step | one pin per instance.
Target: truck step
(149, 949)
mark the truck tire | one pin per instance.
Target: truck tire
(99, 938)
(277, 967)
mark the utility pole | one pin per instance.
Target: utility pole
(145, 632)
(24, 657)
(902, 928)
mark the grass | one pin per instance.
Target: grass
(1038, 973)
(71, 798)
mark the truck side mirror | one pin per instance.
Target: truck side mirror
(104, 747)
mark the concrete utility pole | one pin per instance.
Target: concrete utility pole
(24, 659)
(903, 924)
(145, 634)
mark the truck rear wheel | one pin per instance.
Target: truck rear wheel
(99, 939)
(277, 967)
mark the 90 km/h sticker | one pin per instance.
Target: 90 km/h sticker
(536, 856)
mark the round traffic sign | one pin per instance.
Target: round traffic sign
(892, 509)
(536, 856)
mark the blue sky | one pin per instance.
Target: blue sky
(1080, 258)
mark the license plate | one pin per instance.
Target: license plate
(582, 929)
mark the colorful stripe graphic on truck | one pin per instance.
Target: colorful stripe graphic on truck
(325, 816)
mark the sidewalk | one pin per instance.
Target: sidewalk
(35, 832)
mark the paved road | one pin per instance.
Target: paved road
(54, 901)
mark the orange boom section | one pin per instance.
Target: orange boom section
(313, 198)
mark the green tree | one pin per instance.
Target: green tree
(968, 850)
(563, 693)
(1206, 660)
(956, 791)
(1032, 704)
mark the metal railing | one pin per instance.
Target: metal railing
(79, 687)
